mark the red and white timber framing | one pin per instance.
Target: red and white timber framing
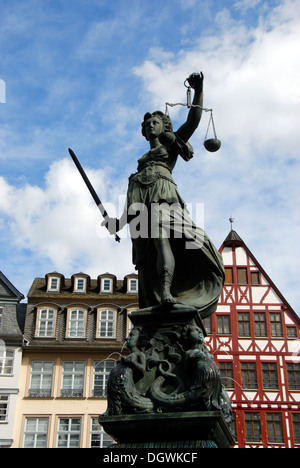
(275, 347)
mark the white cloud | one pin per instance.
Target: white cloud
(61, 222)
(245, 5)
(251, 79)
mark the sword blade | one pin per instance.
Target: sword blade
(90, 188)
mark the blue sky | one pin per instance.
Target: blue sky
(82, 74)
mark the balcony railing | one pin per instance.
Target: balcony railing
(39, 393)
(71, 393)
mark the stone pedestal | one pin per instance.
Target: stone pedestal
(161, 317)
(190, 429)
(167, 392)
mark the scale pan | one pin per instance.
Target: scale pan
(212, 145)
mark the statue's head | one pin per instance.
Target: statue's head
(166, 121)
(192, 334)
(133, 338)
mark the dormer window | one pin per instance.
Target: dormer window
(80, 285)
(53, 283)
(106, 285)
(132, 285)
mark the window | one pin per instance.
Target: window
(72, 379)
(6, 362)
(226, 370)
(242, 277)
(106, 324)
(291, 332)
(260, 325)
(106, 285)
(223, 325)
(270, 378)
(254, 278)
(296, 427)
(293, 372)
(76, 328)
(132, 285)
(3, 408)
(207, 325)
(46, 323)
(101, 373)
(1, 316)
(276, 325)
(41, 379)
(68, 434)
(228, 275)
(36, 433)
(244, 324)
(99, 439)
(53, 283)
(249, 375)
(274, 427)
(253, 427)
(80, 285)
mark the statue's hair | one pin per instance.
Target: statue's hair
(168, 127)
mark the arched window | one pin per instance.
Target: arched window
(76, 323)
(46, 323)
(106, 324)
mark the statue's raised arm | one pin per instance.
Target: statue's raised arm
(186, 130)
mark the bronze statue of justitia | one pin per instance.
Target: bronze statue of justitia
(178, 266)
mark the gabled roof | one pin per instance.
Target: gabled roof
(11, 293)
(234, 240)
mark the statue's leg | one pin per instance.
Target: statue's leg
(165, 268)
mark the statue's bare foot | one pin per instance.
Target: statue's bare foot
(166, 282)
(167, 298)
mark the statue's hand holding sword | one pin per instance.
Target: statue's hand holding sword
(92, 192)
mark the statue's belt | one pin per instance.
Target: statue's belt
(149, 175)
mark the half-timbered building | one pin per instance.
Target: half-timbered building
(254, 337)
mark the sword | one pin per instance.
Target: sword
(91, 188)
